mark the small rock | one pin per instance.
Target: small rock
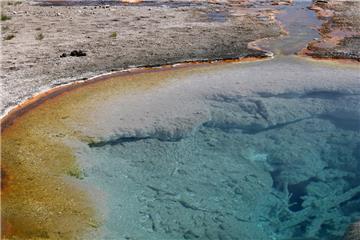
(190, 235)
(77, 53)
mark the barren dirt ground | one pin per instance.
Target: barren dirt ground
(37, 41)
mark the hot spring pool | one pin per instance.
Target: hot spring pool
(260, 150)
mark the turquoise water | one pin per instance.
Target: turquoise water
(294, 180)
(266, 166)
(256, 151)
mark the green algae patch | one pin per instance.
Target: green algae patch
(76, 172)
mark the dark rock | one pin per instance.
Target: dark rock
(77, 53)
(190, 235)
(321, 1)
(74, 53)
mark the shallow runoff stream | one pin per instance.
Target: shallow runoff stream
(244, 151)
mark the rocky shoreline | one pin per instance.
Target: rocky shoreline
(340, 31)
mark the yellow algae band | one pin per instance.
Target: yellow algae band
(42, 196)
(39, 200)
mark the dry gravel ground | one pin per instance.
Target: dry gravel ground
(116, 37)
(340, 31)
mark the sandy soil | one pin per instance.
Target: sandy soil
(340, 31)
(117, 37)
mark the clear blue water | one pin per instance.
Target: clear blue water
(228, 180)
